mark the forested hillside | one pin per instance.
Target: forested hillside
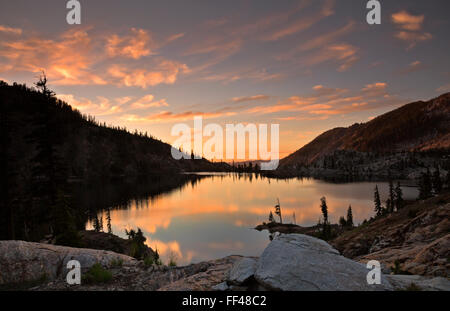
(45, 144)
(413, 135)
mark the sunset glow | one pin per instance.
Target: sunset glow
(307, 65)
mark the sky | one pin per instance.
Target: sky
(306, 65)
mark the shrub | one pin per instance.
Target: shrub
(397, 269)
(116, 262)
(148, 261)
(172, 263)
(138, 247)
(97, 274)
(172, 260)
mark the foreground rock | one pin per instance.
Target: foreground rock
(195, 277)
(242, 271)
(302, 263)
(26, 262)
(37, 266)
(418, 282)
(290, 262)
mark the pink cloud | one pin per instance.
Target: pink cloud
(136, 45)
(410, 28)
(408, 21)
(250, 98)
(10, 30)
(164, 72)
(149, 102)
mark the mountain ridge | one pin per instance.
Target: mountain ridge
(414, 127)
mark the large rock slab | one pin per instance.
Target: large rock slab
(297, 262)
(418, 282)
(25, 261)
(242, 271)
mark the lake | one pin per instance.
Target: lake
(214, 215)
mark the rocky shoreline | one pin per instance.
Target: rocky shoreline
(412, 245)
(291, 262)
(414, 240)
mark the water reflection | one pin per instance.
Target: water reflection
(213, 216)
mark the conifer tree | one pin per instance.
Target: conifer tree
(278, 211)
(342, 222)
(326, 231)
(350, 217)
(108, 220)
(271, 219)
(399, 202)
(391, 200)
(324, 208)
(377, 201)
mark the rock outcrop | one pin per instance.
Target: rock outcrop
(25, 261)
(111, 242)
(302, 263)
(291, 262)
(242, 271)
(416, 239)
(418, 282)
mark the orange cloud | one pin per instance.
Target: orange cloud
(412, 67)
(100, 107)
(410, 28)
(324, 48)
(165, 72)
(413, 37)
(175, 37)
(123, 100)
(67, 60)
(10, 30)
(256, 75)
(167, 116)
(250, 98)
(148, 102)
(345, 55)
(326, 38)
(325, 102)
(302, 23)
(272, 109)
(320, 90)
(408, 21)
(133, 46)
(77, 58)
(375, 89)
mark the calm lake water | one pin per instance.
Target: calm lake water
(214, 217)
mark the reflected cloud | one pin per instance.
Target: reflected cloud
(216, 218)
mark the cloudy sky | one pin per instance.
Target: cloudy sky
(306, 65)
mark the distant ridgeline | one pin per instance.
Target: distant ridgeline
(398, 144)
(45, 143)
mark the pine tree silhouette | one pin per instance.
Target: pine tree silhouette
(377, 201)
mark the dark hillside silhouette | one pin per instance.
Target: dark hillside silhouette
(45, 144)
